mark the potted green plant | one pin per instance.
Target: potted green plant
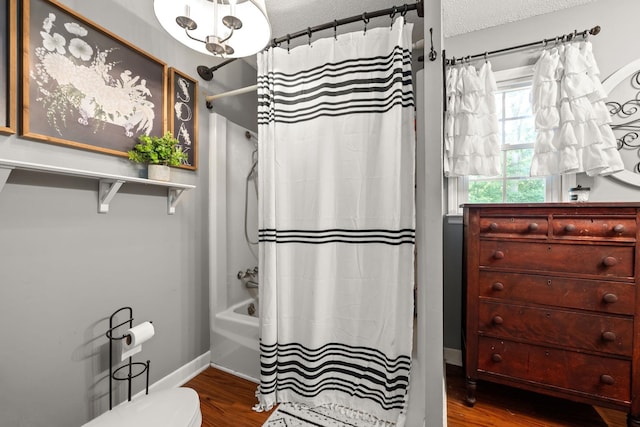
(158, 153)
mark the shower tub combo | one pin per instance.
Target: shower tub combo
(237, 332)
(234, 279)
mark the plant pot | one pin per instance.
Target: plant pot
(159, 172)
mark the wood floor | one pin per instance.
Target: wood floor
(226, 401)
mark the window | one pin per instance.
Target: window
(518, 135)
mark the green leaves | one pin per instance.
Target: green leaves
(161, 150)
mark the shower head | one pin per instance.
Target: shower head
(206, 73)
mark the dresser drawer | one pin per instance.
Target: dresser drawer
(510, 227)
(599, 376)
(596, 295)
(545, 325)
(607, 228)
(596, 260)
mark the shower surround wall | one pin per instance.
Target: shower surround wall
(234, 338)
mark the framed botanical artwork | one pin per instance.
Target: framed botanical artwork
(85, 87)
(183, 114)
(8, 66)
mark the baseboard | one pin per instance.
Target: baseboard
(237, 374)
(180, 375)
(453, 356)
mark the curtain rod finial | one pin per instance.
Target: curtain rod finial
(420, 8)
(595, 30)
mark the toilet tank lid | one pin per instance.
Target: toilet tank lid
(172, 408)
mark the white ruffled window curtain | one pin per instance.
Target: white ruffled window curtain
(571, 119)
(472, 142)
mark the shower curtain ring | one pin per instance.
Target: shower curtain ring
(288, 42)
(335, 29)
(393, 15)
(309, 35)
(404, 13)
(366, 21)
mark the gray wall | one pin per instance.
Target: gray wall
(614, 47)
(65, 268)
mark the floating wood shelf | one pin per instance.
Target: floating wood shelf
(108, 184)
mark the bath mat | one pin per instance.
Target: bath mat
(296, 415)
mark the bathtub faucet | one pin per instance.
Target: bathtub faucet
(249, 277)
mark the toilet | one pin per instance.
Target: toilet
(176, 407)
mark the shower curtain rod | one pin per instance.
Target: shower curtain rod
(207, 72)
(565, 37)
(392, 11)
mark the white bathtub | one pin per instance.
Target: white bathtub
(235, 346)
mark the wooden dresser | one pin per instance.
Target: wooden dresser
(551, 300)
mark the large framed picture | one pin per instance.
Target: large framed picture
(183, 114)
(85, 87)
(8, 66)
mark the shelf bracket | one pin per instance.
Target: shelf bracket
(4, 175)
(173, 197)
(108, 189)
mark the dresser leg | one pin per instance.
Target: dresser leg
(633, 421)
(471, 393)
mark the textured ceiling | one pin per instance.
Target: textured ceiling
(464, 16)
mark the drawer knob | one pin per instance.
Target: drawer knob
(569, 228)
(497, 286)
(493, 226)
(609, 261)
(610, 298)
(619, 228)
(496, 358)
(606, 379)
(498, 320)
(499, 255)
(609, 336)
(533, 226)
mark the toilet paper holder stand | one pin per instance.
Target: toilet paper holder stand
(130, 369)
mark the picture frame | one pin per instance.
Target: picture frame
(183, 114)
(85, 87)
(8, 66)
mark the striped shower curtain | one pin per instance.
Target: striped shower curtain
(337, 223)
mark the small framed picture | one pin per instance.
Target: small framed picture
(183, 114)
(8, 66)
(83, 86)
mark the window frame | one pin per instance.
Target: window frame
(557, 186)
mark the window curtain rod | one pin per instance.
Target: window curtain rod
(563, 38)
(207, 72)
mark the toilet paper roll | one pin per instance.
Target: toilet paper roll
(134, 337)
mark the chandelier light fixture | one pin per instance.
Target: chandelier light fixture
(224, 28)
